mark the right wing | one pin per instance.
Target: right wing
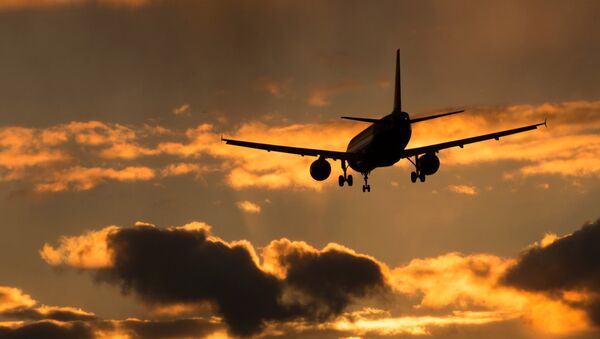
(460, 143)
(293, 150)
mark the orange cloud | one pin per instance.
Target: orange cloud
(23, 147)
(466, 281)
(463, 189)
(12, 298)
(62, 157)
(383, 324)
(17, 305)
(183, 168)
(273, 87)
(566, 140)
(36, 320)
(249, 207)
(319, 96)
(571, 137)
(277, 249)
(182, 110)
(54, 158)
(125, 151)
(251, 168)
(86, 251)
(83, 179)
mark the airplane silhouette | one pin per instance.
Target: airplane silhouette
(381, 144)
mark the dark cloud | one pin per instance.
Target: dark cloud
(181, 267)
(93, 328)
(332, 278)
(48, 330)
(59, 314)
(170, 266)
(572, 262)
(569, 263)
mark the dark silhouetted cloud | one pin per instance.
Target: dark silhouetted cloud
(48, 330)
(182, 266)
(570, 263)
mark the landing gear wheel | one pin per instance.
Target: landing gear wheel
(422, 177)
(413, 177)
(368, 188)
(364, 188)
(349, 180)
(341, 181)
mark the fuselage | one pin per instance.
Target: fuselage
(382, 143)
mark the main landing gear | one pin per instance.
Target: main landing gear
(345, 178)
(417, 172)
(366, 186)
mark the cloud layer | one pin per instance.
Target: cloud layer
(29, 319)
(291, 286)
(79, 156)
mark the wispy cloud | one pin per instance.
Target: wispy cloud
(74, 156)
(320, 96)
(249, 207)
(182, 110)
(463, 189)
(83, 178)
(274, 87)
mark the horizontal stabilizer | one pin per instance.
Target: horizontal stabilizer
(412, 121)
(362, 119)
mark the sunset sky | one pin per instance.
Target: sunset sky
(123, 215)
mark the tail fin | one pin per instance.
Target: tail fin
(397, 90)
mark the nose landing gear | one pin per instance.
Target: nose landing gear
(366, 187)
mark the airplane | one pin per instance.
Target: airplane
(381, 144)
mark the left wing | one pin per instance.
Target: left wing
(462, 142)
(294, 150)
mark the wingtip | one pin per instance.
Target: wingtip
(545, 122)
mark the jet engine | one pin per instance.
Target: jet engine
(320, 169)
(429, 163)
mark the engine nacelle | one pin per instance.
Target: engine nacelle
(320, 169)
(429, 163)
